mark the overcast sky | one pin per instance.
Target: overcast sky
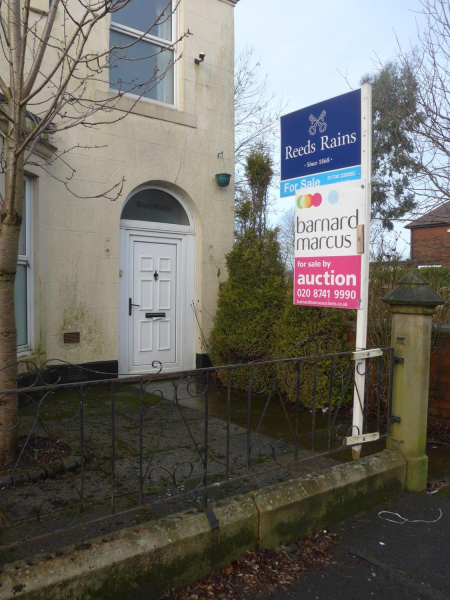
(303, 45)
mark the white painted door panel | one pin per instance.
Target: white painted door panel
(155, 275)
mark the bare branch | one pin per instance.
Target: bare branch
(257, 111)
(37, 62)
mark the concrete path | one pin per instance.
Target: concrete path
(168, 448)
(381, 560)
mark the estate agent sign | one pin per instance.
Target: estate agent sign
(321, 144)
(327, 262)
(326, 164)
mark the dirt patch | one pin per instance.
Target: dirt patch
(38, 451)
(263, 570)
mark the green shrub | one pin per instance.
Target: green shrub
(325, 327)
(439, 278)
(384, 277)
(249, 305)
(256, 319)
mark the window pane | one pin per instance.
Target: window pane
(132, 69)
(156, 206)
(23, 228)
(20, 305)
(141, 14)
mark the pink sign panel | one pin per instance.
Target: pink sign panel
(330, 281)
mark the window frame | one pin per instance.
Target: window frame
(153, 222)
(157, 41)
(155, 226)
(27, 261)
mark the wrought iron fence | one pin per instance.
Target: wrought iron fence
(91, 446)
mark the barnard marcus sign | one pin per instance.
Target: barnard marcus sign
(328, 258)
(321, 144)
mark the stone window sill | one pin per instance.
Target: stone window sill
(149, 110)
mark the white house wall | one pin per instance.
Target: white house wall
(77, 239)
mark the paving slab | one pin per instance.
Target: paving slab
(351, 579)
(418, 550)
(377, 558)
(172, 437)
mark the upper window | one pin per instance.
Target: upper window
(156, 206)
(23, 285)
(142, 61)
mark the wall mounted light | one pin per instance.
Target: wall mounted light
(201, 58)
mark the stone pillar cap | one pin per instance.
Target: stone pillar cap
(414, 290)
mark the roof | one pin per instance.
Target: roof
(438, 216)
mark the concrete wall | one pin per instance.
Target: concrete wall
(76, 240)
(147, 560)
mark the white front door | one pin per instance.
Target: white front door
(154, 302)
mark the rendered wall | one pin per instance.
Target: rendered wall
(77, 239)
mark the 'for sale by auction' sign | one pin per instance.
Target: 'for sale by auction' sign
(327, 259)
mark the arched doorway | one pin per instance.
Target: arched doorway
(157, 275)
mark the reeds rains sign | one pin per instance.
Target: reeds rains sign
(327, 263)
(321, 144)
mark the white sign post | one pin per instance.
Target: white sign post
(362, 315)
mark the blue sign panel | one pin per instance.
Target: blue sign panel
(321, 138)
(288, 188)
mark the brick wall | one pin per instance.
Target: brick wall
(431, 245)
(439, 398)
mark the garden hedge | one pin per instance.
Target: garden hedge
(256, 319)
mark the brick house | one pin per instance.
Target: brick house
(430, 238)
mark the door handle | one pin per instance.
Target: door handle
(130, 306)
(155, 315)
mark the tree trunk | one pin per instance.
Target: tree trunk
(10, 222)
(8, 343)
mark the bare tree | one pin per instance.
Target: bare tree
(49, 68)
(286, 238)
(430, 125)
(257, 111)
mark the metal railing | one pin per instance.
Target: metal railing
(120, 444)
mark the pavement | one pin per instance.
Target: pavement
(379, 559)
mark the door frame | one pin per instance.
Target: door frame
(170, 232)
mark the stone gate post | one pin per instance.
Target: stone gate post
(412, 304)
